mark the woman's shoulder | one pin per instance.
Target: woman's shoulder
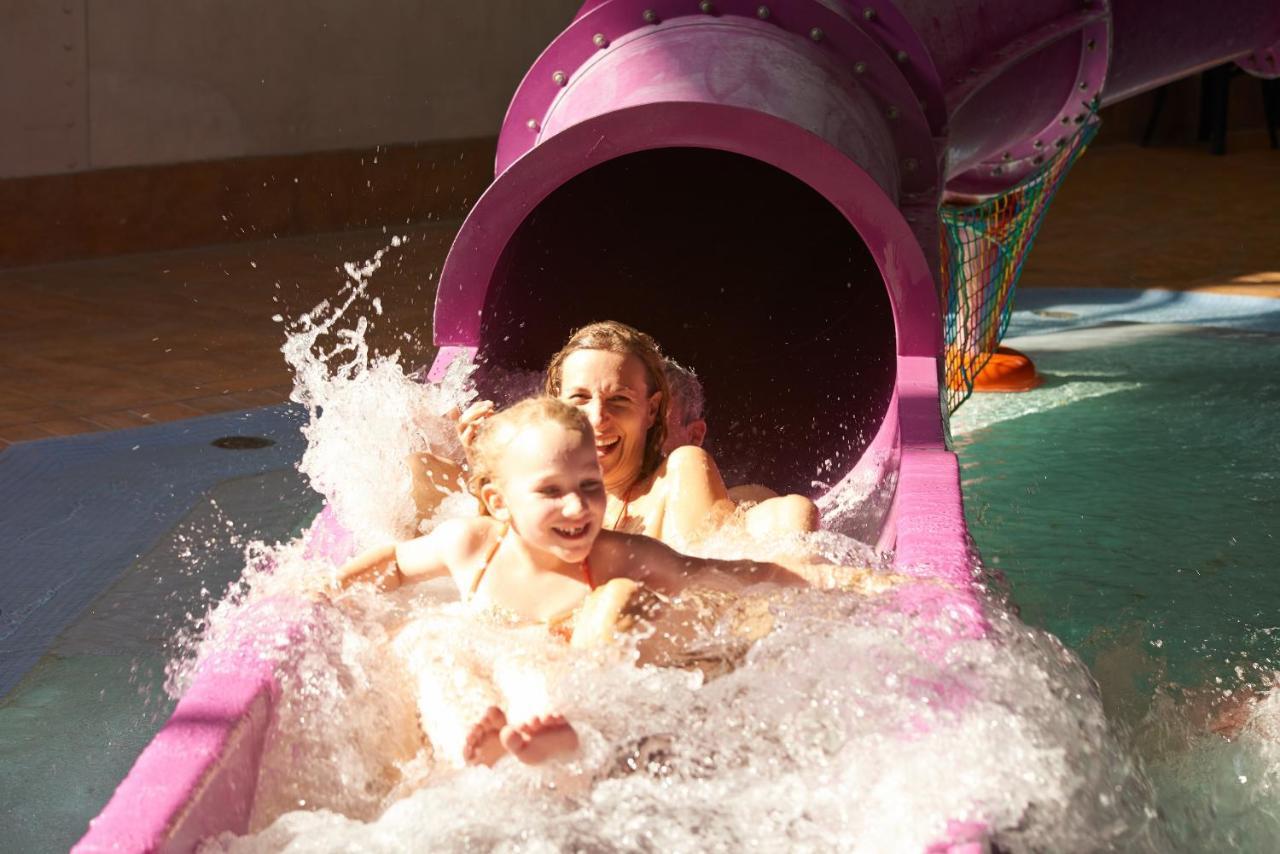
(685, 465)
(686, 461)
(688, 455)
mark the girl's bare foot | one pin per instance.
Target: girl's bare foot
(540, 739)
(484, 742)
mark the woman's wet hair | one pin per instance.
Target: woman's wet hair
(687, 395)
(495, 433)
(614, 337)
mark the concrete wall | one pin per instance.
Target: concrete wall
(1179, 120)
(93, 84)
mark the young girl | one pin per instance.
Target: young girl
(540, 555)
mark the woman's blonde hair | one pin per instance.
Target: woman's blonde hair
(614, 337)
(495, 433)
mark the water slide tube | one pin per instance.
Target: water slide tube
(756, 184)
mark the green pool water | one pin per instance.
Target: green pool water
(1133, 505)
(72, 728)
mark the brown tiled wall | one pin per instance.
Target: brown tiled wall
(144, 209)
(140, 339)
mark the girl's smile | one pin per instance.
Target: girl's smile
(550, 491)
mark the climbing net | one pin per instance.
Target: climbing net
(983, 249)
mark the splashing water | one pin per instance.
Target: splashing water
(838, 730)
(834, 733)
(375, 415)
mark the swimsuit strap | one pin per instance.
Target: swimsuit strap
(493, 550)
(626, 502)
(561, 625)
(488, 558)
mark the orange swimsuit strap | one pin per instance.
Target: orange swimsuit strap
(562, 625)
(488, 557)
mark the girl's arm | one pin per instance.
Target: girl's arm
(390, 566)
(657, 565)
(377, 565)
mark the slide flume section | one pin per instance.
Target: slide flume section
(755, 184)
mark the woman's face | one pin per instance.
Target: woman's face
(613, 390)
(550, 490)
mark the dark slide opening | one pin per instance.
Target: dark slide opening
(741, 272)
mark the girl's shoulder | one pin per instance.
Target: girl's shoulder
(449, 547)
(459, 539)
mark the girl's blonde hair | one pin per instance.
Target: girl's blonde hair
(614, 337)
(495, 433)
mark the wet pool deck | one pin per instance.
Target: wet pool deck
(143, 339)
(1167, 218)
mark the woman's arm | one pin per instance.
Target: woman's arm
(697, 500)
(433, 477)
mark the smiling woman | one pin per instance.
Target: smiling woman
(615, 374)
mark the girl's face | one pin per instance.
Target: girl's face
(613, 390)
(550, 490)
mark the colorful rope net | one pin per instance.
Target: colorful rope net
(983, 250)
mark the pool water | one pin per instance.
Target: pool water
(830, 729)
(1133, 505)
(1129, 505)
(77, 721)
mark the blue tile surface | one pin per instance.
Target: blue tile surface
(76, 512)
(1041, 310)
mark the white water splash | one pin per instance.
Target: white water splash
(834, 733)
(984, 410)
(367, 414)
(837, 731)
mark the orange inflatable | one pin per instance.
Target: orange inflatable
(1008, 370)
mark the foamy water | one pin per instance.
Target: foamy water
(834, 732)
(839, 730)
(375, 413)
